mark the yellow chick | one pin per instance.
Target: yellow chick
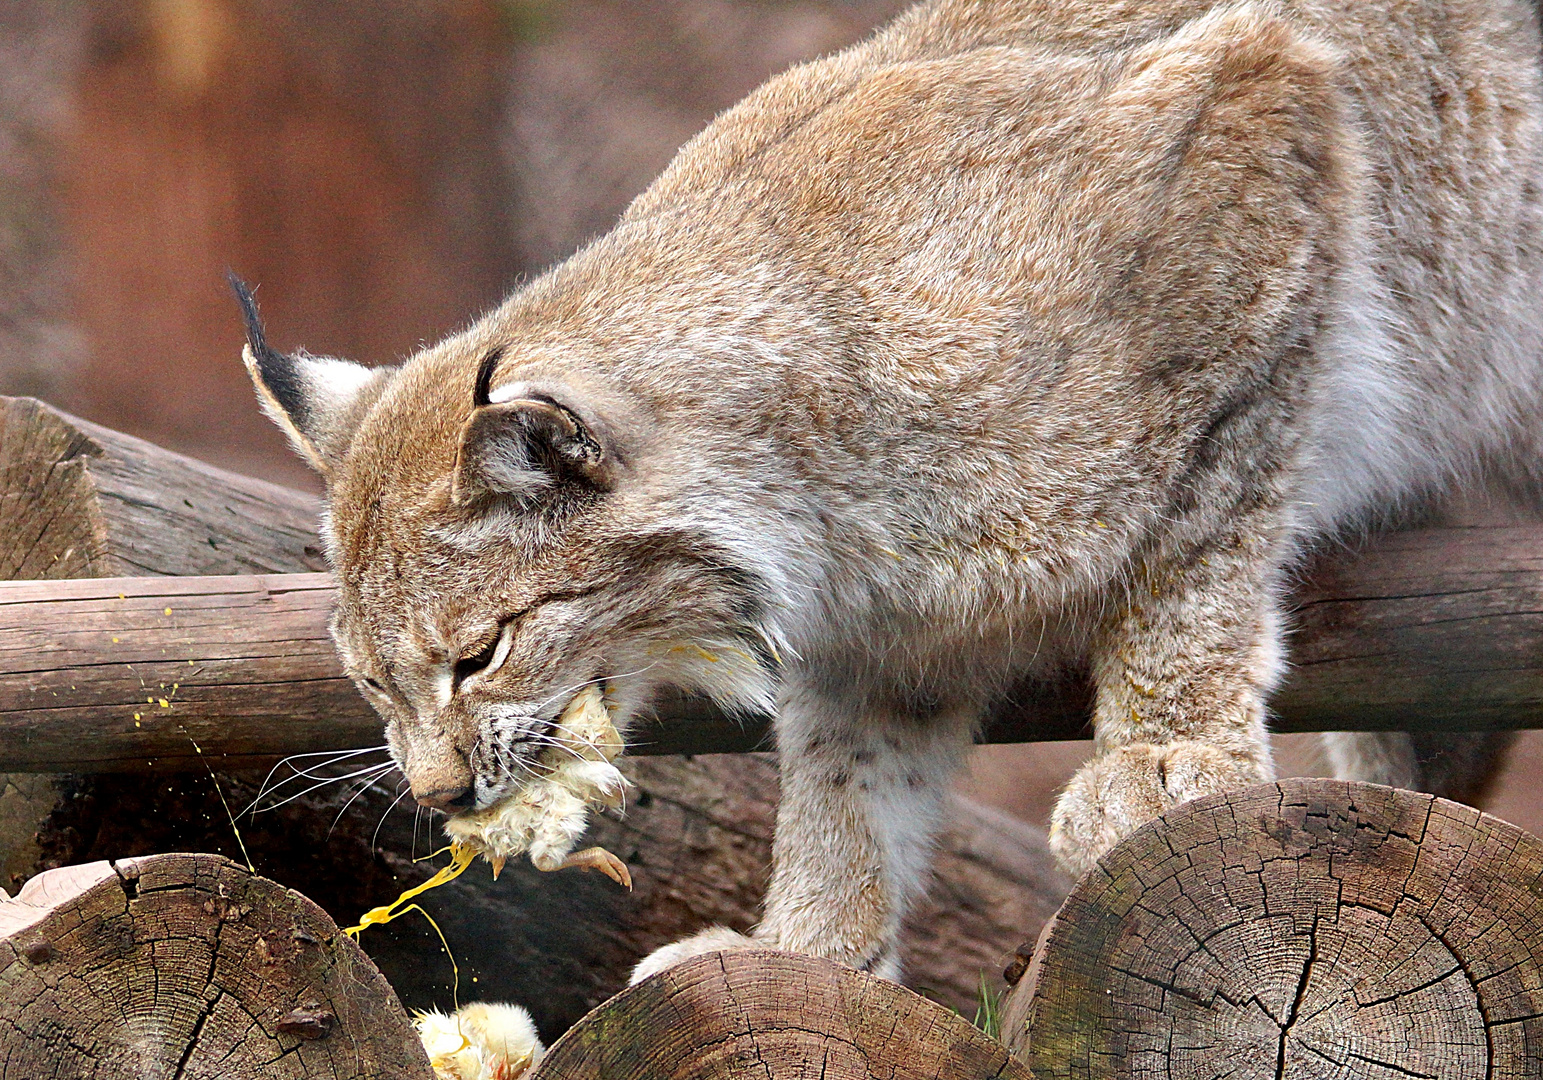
(481, 1041)
(547, 816)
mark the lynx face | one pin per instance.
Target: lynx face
(492, 568)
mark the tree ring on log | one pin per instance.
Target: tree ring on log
(1310, 928)
(189, 966)
(762, 1013)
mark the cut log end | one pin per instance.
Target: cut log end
(764, 1013)
(188, 965)
(1310, 928)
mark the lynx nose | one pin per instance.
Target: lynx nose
(446, 798)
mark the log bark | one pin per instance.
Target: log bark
(1440, 629)
(80, 500)
(1310, 928)
(772, 1014)
(128, 674)
(189, 966)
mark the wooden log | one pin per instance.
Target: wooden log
(696, 835)
(1439, 630)
(1310, 928)
(189, 966)
(80, 500)
(773, 1014)
(128, 674)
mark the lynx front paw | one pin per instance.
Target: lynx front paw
(1112, 796)
(713, 939)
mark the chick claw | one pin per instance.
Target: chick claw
(598, 858)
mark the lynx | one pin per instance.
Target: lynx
(1022, 334)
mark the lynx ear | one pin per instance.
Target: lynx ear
(533, 438)
(317, 401)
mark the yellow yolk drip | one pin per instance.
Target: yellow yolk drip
(461, 856)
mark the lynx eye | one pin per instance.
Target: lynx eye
(372, 684)
(487, 659)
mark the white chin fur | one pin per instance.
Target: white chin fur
(724, 671)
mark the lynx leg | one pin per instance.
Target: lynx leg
(1458, 765)
(862, 798)
(1380, 757)
(1181, 675)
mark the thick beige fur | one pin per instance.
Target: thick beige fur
(1021, 334)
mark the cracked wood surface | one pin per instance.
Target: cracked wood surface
(1306, 929)
(773, 1014)
(187, 967)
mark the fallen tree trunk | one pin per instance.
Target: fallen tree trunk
(1306, 928)
(1434, 630)
(773, 1014)
(189, 966)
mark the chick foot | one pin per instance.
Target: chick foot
(598, 858)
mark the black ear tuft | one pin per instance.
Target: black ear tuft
(317, 401)
(279, 374)
(484, 384)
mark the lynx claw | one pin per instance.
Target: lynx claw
(1114, 795)
(598, 858)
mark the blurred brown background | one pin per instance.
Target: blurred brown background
(383, 171)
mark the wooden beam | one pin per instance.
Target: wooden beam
(1441, 628)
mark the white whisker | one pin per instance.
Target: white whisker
(400, 793)
(333, 756)
(569, 691)
(315, 787)
(364, 786)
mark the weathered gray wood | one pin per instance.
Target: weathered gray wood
(80, 500)
(772, 1014)
(1311, 928)
(189, 966)
(111, 674)
(1431, 629)
(243, 664)
(1440, 629)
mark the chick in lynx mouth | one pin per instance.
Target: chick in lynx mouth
(548, 813)
(1019, 335)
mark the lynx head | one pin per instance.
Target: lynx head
(499, 546)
